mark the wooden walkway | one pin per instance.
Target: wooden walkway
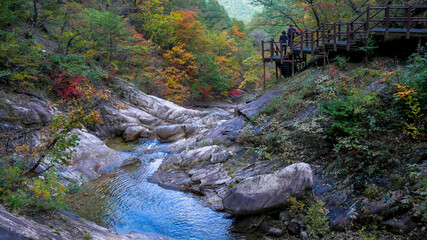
(390, 21)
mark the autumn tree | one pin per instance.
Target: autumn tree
(180, 72)
(153, 23)
(210, 81)
(57, 140)
(190, 32)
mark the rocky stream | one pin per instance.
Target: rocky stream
(162, 171)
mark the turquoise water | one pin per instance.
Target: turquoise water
(125, 202)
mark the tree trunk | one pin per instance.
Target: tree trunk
(316, 15)
(353, 6)
(110, 57)
(35, 16)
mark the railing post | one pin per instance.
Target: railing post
(302, 42)
(348, 37)
(352, 31)
(293, 64)
(262, 50)
(368, 9)
(291, 46)
(335, 36)
(317, 39)
(281, 53)
(264, 75)
(387, 20)
(323, 36)
(312, 43)
(271, 50)
(408, 21)
(339, 32)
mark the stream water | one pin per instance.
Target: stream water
(125, 202)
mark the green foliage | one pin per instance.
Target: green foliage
(210, 78)
(213, 14)
(18, 54)
(366, 235)
(12, 11)
(417, 199)
(296, 206)
(316, 219)
(416, 77)
(352, 116)
(371, 191)
(370, 46)
(76, 65)
(253, 72)
(29, 195)
(16, 201)
(341, 62)
(87, 236)
(103, 31)
(239, 9)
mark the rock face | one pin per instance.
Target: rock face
(92, 158)
(170, 132)
(270, 191)
(64, 226)
(152, 112)
(134, 132)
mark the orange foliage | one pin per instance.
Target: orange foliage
(235, 31)
(190, 32)
(229, 68)
(180, 73)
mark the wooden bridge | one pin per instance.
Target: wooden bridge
(390, 21)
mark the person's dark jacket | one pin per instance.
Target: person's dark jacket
(292, 32)
(283, 38)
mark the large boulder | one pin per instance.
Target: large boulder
(61, 226)
(170, 132)
(134, 132)
(91, 159)
(269, 192)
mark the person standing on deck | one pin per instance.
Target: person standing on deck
(291, 34)
(282, 40)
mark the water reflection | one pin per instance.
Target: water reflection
(124, 201)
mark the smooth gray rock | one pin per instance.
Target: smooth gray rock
(92, 157)
(295, 227)
(247, 224)
(131, 161)
(269, 191)
(134, 132)
(198, 155)
(401, 226)
(275, 232)
(220, 157)
(170, 132)
(62, 226)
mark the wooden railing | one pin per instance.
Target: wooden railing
(374, 20)
(407, 21)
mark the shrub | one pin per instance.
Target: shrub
(316, 219)
(341, 62)
(352, 116)
(30, 195)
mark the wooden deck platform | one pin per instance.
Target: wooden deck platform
(403, 21)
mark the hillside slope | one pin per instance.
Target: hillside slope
(239, 9)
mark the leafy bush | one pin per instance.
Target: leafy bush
(316, 219)
(353, 116)
(24, 55)
(29, 195)
(341, 62)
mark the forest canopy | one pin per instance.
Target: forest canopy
(175, 49)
